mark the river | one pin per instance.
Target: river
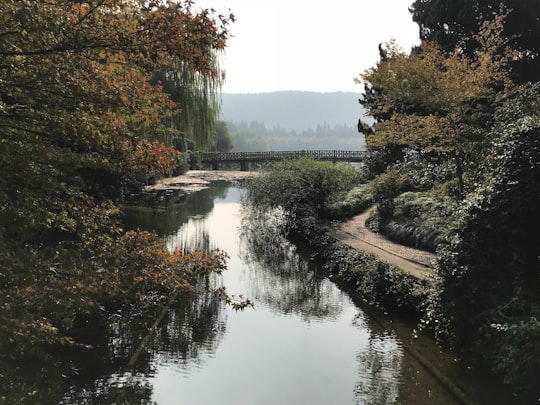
(304, 342)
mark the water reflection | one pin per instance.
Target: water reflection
(304, 343)
(278, 276)
(305, 336)
(380, 371)
(164, 212)
(191, 331)
(289, 283)
(189, 334)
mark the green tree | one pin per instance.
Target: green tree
(455, 23)
(224, 141)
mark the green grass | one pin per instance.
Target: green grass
(355, 202)
(420, 220)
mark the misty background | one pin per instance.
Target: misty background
(293, 120)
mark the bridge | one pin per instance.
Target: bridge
(245, 158)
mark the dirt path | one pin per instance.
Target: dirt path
(355, 234)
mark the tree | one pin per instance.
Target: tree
(224, 140)
(435, 103)
(454, 24)
(196, 95)
(490, 272)
(77, 124)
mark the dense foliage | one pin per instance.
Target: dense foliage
(420, 219)
(302, 188)
(80, 126)
(454, 23)
(193, 125)
(490, 271)
(356, 201)
(458, 116)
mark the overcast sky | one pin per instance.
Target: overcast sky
(308, 45)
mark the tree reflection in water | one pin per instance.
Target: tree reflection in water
(188, 334)
(279, 276)
(380, 365)
(288, 283)
(164, 212)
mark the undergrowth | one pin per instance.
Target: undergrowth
(420, 220)
(355, 202)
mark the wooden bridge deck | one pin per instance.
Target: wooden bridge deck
(244, 158)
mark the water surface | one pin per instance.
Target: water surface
(304, 342)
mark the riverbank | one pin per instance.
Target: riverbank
(196, 180)
(390, 290)
(354, 233)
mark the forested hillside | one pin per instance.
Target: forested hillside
(255, 136)
(288, 120)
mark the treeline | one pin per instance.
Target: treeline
(255, 136)
(292, 110)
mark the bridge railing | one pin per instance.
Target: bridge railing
(337, 155)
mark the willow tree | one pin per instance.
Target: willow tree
(196, 93)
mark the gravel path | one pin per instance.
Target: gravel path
(355, 234)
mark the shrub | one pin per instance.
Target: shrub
(385, 188)
(421, 220)
(354, 202)
(303, 188)
(424, 170)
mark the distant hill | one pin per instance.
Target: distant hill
(293, 110)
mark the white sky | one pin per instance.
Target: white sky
(309, 45)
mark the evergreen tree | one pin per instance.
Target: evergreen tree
(453, 24)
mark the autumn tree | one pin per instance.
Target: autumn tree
(78, 130)
(433, 102)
